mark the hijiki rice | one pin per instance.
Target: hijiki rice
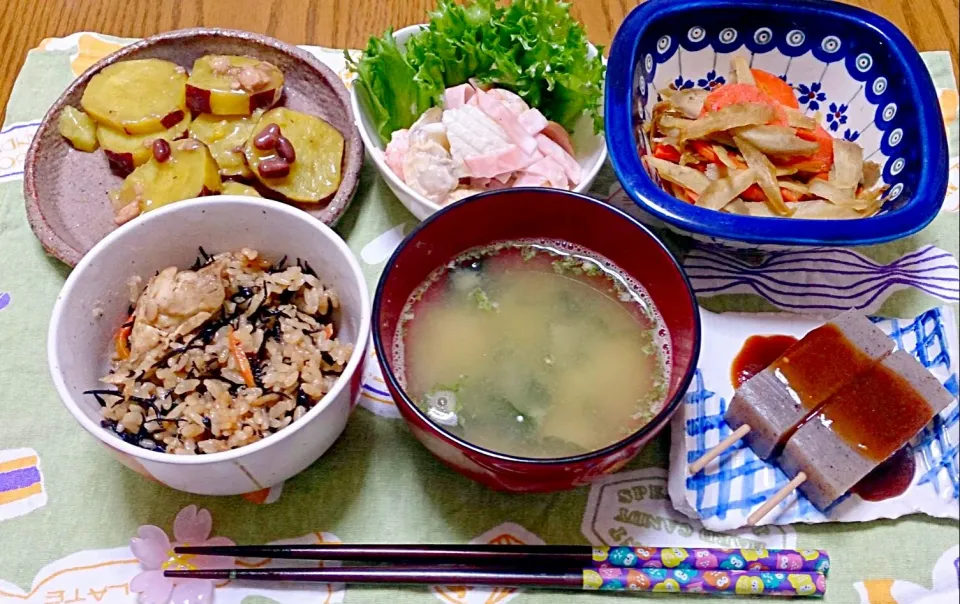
(221, 355)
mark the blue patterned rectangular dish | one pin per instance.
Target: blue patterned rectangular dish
(854, 67)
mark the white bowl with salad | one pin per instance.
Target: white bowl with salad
(481, 98)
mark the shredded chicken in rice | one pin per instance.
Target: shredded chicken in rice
(221, 355)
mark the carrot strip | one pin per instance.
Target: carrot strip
(732, 94)
(789, 195)
(705, 151)
(121, 341)
(243, 364)
(755, 193)
(821, 160)
(776, 88)
(667, 152)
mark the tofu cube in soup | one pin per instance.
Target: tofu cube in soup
(862, 425)
(776, 400)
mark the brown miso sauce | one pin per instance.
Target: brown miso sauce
(758, 353)
(877, 413)
(890, 479)
(820, 364)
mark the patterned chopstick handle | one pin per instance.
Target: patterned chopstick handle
(688, 580)
(776, 560)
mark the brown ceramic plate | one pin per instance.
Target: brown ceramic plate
(66, 190)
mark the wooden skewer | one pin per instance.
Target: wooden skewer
(722, 446)
(774, 501)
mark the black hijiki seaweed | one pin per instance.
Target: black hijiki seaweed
(99, 394)
(306, 268)
(203, 259)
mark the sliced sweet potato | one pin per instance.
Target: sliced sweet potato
(226, 136)
(137, 97)
(315, 173)
(233, 85)
(128, 151)
(77, 127)
(190, 171)
(238, 188)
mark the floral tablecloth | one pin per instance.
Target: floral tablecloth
(68, 511)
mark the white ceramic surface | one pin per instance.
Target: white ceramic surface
(591, 149)
(94, 302)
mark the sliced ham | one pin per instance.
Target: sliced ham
(487, 184)
(499, 112)
(532, 121)
(529, 179)
(551, 149)
(457, 96)
(550, 169)
(482, 166)
(492, 165)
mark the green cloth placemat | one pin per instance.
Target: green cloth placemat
(65, 529)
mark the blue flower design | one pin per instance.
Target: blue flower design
(4, 300)
(811, 95)
(681, 84)
(836, 116)
(711, 80)
(850, 135)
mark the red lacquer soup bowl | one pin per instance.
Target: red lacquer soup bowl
(524, 214)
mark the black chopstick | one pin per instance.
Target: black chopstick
(403, 575)
(558, 556)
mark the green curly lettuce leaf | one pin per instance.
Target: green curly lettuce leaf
(387, 86)
(531, 47)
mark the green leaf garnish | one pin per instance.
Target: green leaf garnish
(482, 300)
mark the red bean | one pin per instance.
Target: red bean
(275, 167)
(161, 150)
(285, 149)
(268, 137)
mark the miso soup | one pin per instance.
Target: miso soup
(533, 349)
